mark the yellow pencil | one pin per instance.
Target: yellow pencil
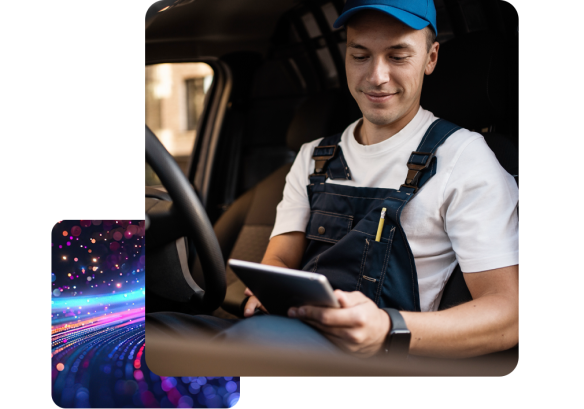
(380, 227)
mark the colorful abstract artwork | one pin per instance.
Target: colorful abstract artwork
(98, 334)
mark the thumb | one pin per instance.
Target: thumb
(342, 297)
(248, 292)
(350, 299)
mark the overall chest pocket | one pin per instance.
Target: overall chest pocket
(328, 227)
(374, 266)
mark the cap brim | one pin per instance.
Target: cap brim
(408, 19)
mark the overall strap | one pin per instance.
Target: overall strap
(329, 161)
(423, 162)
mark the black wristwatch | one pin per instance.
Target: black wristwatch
(397, 342)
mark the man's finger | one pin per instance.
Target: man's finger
(248, 292)
(338, 335)
(251, 305)
(335, 317)
(351, 299)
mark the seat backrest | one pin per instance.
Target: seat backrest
(244, 229)
(475, 86)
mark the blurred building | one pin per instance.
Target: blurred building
(175, 98)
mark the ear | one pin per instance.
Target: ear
(432, 58)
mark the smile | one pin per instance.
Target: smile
(378, 97)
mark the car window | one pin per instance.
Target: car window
(175, 98)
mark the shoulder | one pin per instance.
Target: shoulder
(302, 163)
(465, 148)
(471, 166)
(306, 150)
(459, 141)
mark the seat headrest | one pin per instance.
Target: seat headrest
(471, 83)
(321, 115)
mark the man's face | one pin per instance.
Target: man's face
(385, 63)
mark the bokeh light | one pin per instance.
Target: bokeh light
(98, 333)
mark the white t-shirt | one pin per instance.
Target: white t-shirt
(465, 213)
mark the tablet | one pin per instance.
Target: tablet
(281, 288)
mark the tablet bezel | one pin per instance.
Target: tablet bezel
(280, 288)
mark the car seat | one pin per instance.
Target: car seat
(243, 231)
(472, 86)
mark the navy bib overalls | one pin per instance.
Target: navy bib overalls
(343, 225)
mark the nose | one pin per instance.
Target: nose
(378, 72)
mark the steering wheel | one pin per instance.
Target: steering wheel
(185, 217)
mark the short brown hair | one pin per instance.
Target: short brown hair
(430, 37)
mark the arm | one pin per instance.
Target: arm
(286, 250)
(486, 324)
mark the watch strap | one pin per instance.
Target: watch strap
(397, 342)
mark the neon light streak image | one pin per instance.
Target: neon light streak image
(97, 333)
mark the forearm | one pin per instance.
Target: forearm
(285, 250)
(481, 326)
(274, 260)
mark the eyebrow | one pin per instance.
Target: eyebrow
(392, 47)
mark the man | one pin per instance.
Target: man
(465, 213)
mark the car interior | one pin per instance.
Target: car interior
(279, 82)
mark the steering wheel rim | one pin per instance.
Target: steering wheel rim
(196, 223)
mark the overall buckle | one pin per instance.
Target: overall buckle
(321, 155)
(415, 167)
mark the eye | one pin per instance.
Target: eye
(359, 57)
(398, 58)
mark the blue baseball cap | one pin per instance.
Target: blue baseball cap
(415, 13)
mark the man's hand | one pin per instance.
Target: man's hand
(252, 304)
(359, 326)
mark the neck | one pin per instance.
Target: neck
(368, 133)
